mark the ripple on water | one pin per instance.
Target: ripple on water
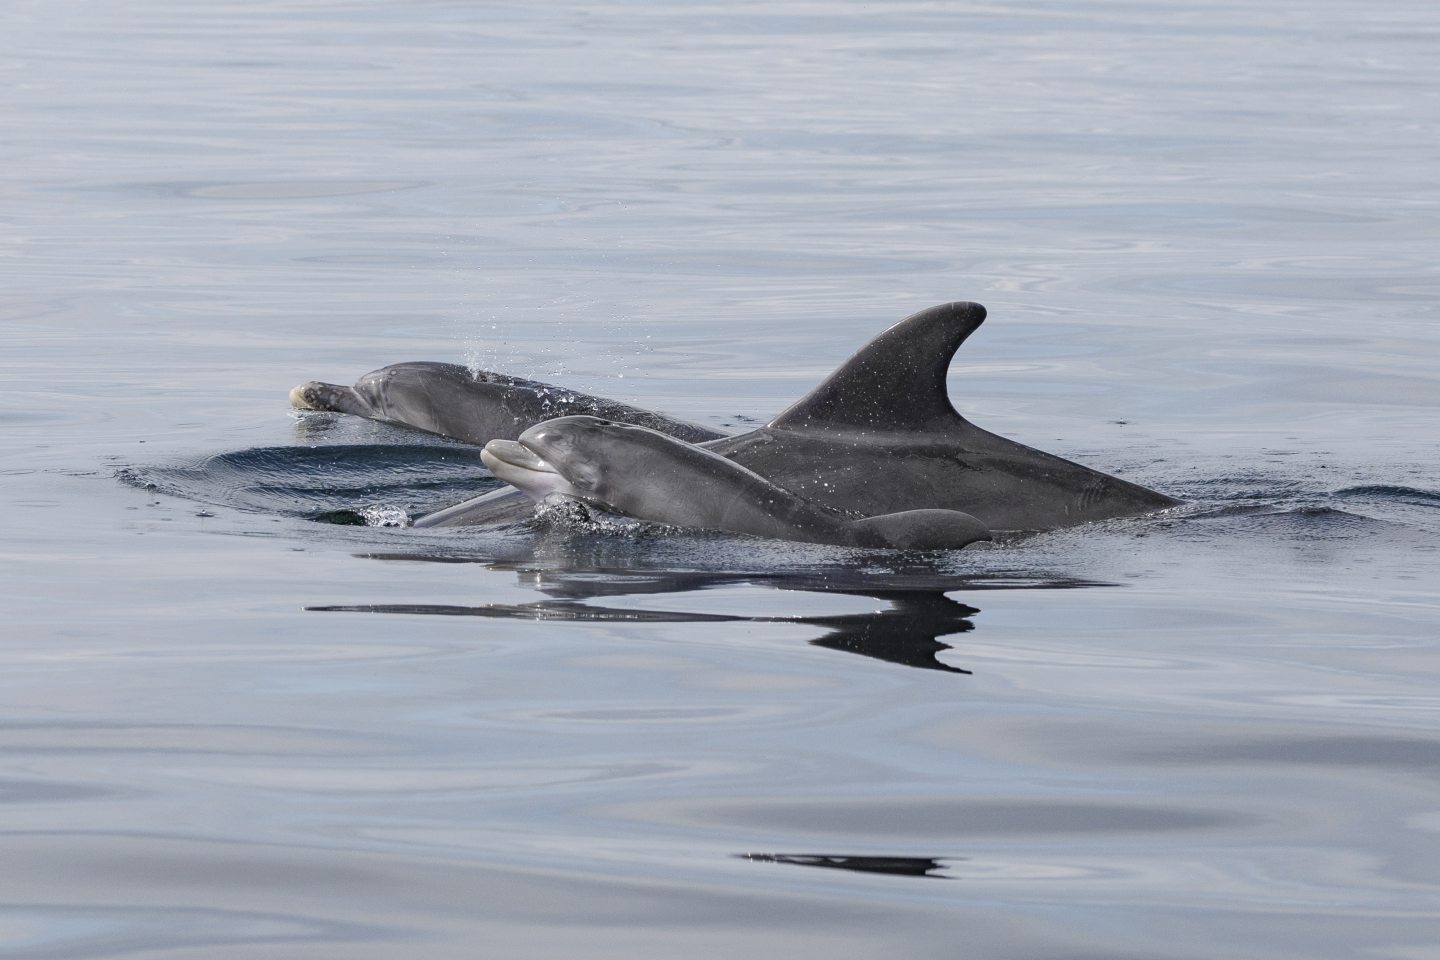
(299, 481)
(939, 819)
(1394, 493)
(266, 189)
(97, 930)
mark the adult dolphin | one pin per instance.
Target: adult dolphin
(878, 436)
(450, 400)
(645, 474)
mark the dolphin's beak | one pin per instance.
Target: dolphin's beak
(515, 455)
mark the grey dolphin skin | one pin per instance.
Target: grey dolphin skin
(645, 474)
(448, 399)
(878, 436)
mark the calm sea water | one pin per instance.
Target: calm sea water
(1206, 234)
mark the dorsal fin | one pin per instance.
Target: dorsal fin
(896, 381)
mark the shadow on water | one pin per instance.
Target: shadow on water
(893, 866)
(906, 631)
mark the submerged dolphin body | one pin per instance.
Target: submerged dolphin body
(645, 474)
(878, 436)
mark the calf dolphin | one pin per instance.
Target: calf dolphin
(642, 473)
(878, 436)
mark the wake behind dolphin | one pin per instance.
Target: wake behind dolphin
(879, 436)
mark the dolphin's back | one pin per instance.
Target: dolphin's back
(880, 435)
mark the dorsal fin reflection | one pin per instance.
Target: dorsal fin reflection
(894, 866)
(905, 631)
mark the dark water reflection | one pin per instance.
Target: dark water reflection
(891, 866)
(906, 632)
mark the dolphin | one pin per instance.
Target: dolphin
(450, 400)
(878, 436)
(642, 473)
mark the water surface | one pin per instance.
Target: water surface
(1204, 234)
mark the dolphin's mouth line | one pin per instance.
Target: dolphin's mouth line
(516, 454)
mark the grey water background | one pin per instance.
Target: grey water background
(1206, 234)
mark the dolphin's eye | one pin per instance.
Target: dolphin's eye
(604, 423)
